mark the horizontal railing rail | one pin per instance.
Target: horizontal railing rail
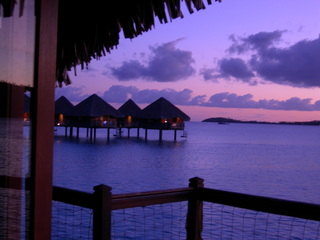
(73, 197)
(143, 199)
(103, 202)
(262, 204)
(123, 201)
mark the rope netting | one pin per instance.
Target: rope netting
(168, 221)
(71, 222)
(162, 221)
(14, 213)
(225, 222)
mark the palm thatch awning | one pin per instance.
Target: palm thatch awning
(130, 108)
(94, 106)
(63, 105)
(89, 29)
(162, 109)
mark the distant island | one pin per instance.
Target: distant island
(221, 120)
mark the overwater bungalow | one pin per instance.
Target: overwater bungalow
(93, 112)
(130, 110)
(162, 115)
(62, 107)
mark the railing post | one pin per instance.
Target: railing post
(195, 211)
(102, 212)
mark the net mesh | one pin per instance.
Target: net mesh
(225, 222)
(71, 222)
(162, 221)
(168, 221)
(14, 213)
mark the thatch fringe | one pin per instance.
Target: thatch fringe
(91, 29)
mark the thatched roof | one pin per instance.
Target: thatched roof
(130, 108)
(162, 109)
(90, 29)
(62, 105)
(94, 106)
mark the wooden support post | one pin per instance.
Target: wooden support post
(87, 132)
(160, 135)
(138, 132)
(91, 133)
(194, 223)
(102, 212)
(43, 118)
(77, 132)
(66, 131)
(71, 131)
(108, 134)
(146, 134)
(175, 135)
(128, 132)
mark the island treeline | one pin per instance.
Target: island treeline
(222, 120)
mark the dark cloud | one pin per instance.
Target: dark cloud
(120, 94)
(317, 105)
(166, 64)
(235, 67)
(130, 70)
(230, 68)
(297, 65)
(260, 41)
(209, 74)
(73, 94)
(147, 96)
(294, 103)
(231, 100)
(198, 100)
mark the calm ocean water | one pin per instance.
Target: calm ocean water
(279, 161)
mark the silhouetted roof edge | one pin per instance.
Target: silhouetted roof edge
(161, 109)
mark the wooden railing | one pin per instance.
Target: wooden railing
(103, 203)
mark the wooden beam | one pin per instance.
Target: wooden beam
(43, 118)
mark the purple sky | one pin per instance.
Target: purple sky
(249, 60)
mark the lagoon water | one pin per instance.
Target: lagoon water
(281, 161)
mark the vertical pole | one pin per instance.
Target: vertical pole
(195, 211)
(175, 135)
(128, 132)
(160, 135)
(43, 118)
(71, 131)
(102, 212)
(77, 132)
(108, 134)
(146, 134)
(138, 132)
